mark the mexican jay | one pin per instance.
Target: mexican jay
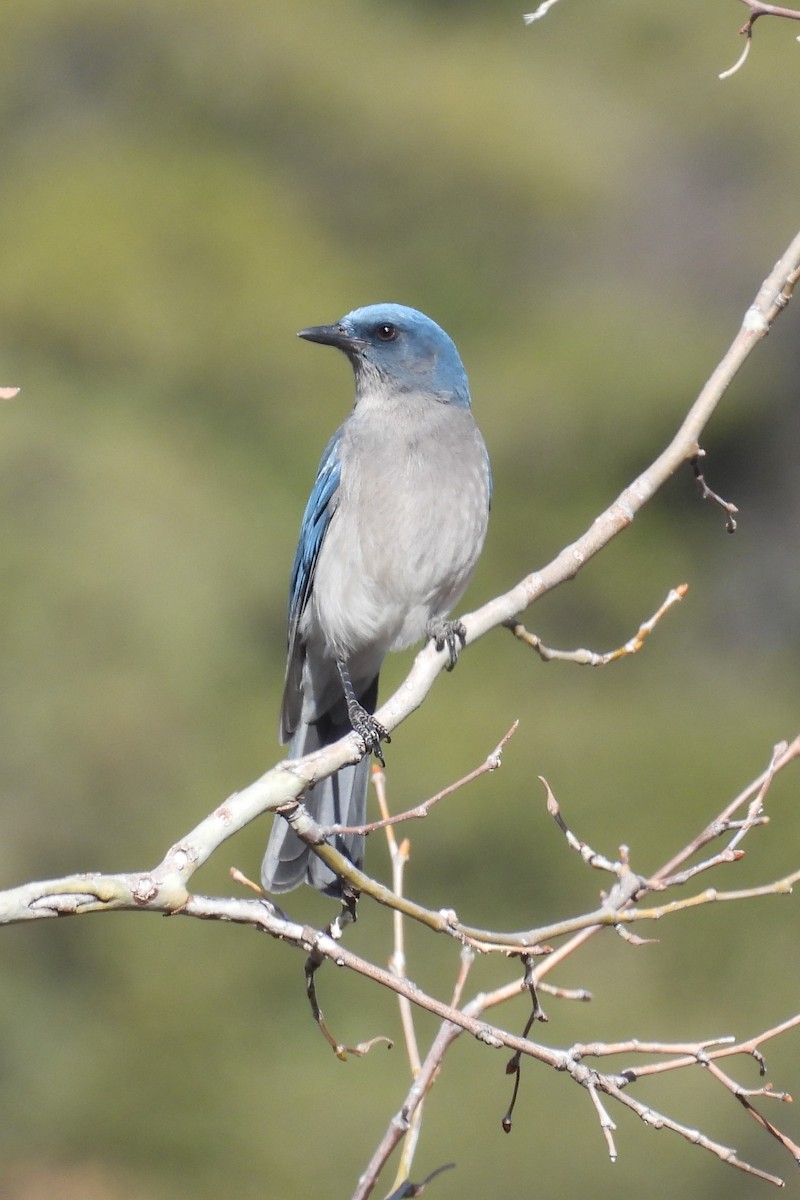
(390, 536)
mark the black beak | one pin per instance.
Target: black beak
(331, 335)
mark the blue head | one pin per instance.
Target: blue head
(400, 345)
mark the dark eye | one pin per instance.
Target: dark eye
(386, 332)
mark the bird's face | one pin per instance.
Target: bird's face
(403, 346)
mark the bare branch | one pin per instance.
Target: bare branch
(606, 1124)
(541, 11)
(783, 754)
(589, 658)
(657, 1120)
(706, 493)
(719, 1048)
(741, 60)
(677, 1054)
(397, 964)
(492, 762)
(757, 9)
(589, 856)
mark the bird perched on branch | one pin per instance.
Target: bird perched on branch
(390, 536)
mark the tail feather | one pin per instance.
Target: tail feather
(341, 799)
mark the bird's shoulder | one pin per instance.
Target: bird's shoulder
(317, 517)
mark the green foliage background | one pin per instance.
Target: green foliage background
(588, 211)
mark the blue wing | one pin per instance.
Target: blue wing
(316, 519)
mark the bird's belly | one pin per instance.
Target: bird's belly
(379, 581)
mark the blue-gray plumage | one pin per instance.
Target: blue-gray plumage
(390, 536)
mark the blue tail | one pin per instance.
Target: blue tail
(341, 799)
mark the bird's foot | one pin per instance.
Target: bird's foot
(451, 634)
(371, 732)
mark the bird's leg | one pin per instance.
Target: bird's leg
(371, 732)
(451, 634)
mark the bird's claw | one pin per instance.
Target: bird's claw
(451, 634)
(371, 732)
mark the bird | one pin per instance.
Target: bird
(392, 531)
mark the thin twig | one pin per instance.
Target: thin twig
(541, 11)
(714, 1049)
(397, 964)
(492, 762)
(658, 1120)
(421, 1085)
(781, 757)
(606, 1124)
(706, 493)
(721, 823)
(590, 658)
(757, 9)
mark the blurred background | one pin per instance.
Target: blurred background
(588, 211)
